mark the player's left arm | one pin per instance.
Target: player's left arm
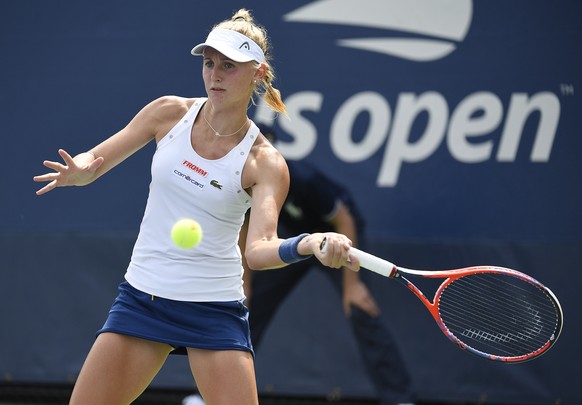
(266, 178)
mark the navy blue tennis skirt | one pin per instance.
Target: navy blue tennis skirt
(202, 325)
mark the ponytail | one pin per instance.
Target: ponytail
(243, 22)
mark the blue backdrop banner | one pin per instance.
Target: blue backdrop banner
(455, 123)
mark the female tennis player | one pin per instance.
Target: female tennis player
(211, 164)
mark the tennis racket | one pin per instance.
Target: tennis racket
(493, 312)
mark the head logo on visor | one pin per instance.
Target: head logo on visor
(233, 45)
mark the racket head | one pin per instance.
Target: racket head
(497, 313)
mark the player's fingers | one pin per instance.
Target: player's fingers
(44, 177)
(96, 163)
(341, 256)
(335, 249)
(47, 188)
(66, 157)
(353, 263)
(56, 166)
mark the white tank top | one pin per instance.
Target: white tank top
(186, 185)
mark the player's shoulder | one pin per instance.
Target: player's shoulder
(171, 107)
(267, 155)
(266, 164)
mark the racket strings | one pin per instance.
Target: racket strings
(487, 327)
(522, 305)
(498, 314)
(490, 327)
(490, 332)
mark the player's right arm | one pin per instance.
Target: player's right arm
(153, 121)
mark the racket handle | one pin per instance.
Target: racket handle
(368, 261)
(374, 263)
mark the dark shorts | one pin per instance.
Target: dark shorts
(202, 325)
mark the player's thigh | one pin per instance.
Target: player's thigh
(118, 369)
(224, 376)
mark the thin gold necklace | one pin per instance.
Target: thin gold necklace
(218, 133)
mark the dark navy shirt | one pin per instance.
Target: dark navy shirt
(311, 201)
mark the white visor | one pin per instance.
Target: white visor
(233, 45)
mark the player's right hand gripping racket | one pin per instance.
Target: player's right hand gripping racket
(493, 312)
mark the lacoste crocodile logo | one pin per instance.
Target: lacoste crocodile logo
(216, 184)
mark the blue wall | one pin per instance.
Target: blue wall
(456, 123)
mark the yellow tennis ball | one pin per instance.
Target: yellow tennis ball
(186, 233)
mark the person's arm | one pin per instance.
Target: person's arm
(86, 167)
(355, 291)
(267, 177)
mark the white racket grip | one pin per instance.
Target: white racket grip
(368, 261)
(374, 263)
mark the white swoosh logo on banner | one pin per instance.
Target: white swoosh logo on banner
(442, 23)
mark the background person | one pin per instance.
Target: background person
(318, 204)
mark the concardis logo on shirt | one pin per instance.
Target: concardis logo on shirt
(187, 178)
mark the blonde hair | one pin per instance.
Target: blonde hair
(243, 22)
